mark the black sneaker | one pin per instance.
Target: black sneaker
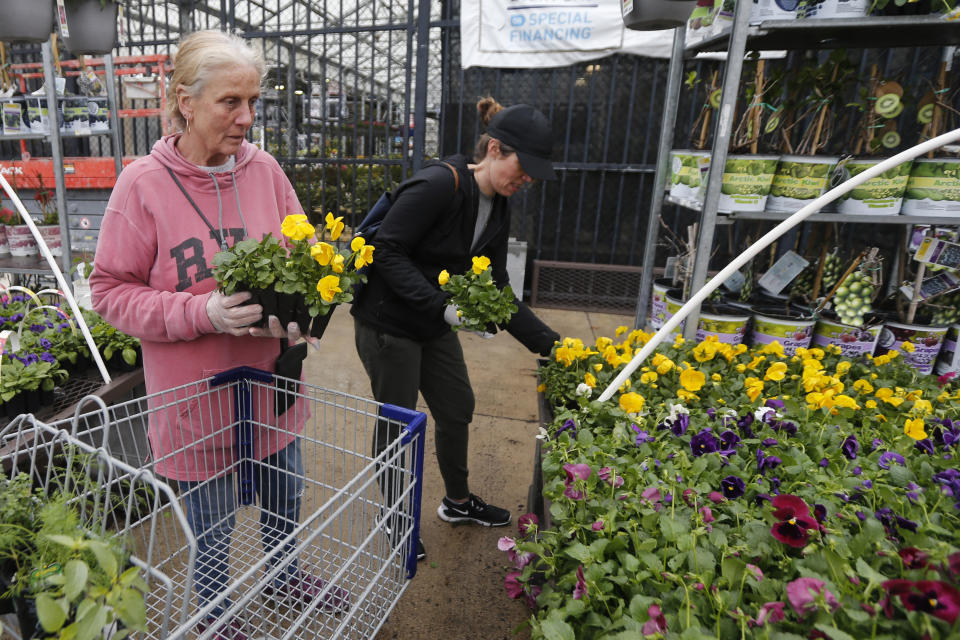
(473, 510)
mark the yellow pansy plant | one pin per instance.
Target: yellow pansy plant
(297, 227)
(631, 402)
(692, 379)
(481, 302)
(914, 429)
(334, 226)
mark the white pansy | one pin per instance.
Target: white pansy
(583, 389)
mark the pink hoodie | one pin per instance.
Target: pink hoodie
(152, 279)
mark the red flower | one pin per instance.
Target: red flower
(939, 599)
(913, 558)
(794, 516)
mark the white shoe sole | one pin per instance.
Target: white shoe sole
(443, 516)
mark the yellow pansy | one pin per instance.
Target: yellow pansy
(922, 405)
(880, 417)
(328, 286)
(716, 377)
(603, 342)
(687, 396)
(756, 362)
(665, 366)
(813, 364)
(589, 380)
(598, 367)
(914, 429)
(692, 380)
(337, 263)
(322, 253)
(883, 393)
(357, 243)
(620, 330)
(863, 386)
(541, 388)
(480, 264)
(632, 402)
(678, 341)
(774, 348)
(870, 404)
(776, 372)
(843, 366)
(907, 346)
(754, 387)
(444, 277)
(565, 355)
(334, 225)
(648, 377)
(297, 227)
(845, 402)
(364, 257)
(705, 351)
(612, 356)
(741, 368)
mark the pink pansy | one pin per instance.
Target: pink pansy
(803, 592)
(512, 584)
(716, 496)
(651, 494)
(770, 612)
(597, 526)
(506, 543)
(575, 472)
(580, 589)
(707, 514)
(657, 622)
(610, 476)
(528, 523)
(755, 570)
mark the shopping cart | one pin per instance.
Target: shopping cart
(359, 519)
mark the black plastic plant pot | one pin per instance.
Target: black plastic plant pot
(117, 362)
(291, 307)
(266, 298)
(24, 608)
(92, 27)
(320, 323)
(15, 406)
(779, 311)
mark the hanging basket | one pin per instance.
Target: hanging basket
(26, 20)
(92, 28)
(653, 15)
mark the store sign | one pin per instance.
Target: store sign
(550, 33)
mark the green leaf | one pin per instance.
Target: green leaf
(672, 528)
(578, 551)
(67, 541)
(75, 572)
(833, 633)
(105, 558)
(90, 626)
(50, 613)
(132, 610)
(554, 628)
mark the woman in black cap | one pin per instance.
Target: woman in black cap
(443, 216)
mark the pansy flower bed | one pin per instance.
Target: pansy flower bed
(727, 492)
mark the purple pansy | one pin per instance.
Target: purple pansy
(888, 457)
(732, 487)
(575, 472)
(925, 445)
(765, 462)
(642, 436)
(704, 442)
(850, 447)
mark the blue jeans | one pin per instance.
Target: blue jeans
(210, 507)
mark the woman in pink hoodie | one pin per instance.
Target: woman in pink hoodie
(200, 190)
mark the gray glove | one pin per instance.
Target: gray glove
(229, 314)
(451, 315)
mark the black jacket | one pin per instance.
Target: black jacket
(430, 228)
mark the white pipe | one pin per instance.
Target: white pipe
(763, 243)
(59, 276)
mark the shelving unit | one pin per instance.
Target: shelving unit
(826, 33)
(37, 265)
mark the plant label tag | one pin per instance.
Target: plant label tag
(939, 252)
(783, 272)
(943, 282)
(12, 120)
(670, 269)
(62, 19)
(735, 282)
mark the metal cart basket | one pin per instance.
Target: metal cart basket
(359, 515)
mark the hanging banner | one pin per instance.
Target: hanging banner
(550, 33)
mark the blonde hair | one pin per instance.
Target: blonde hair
(198, 56)
(487, 108)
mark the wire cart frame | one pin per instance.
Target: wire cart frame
(359, 514)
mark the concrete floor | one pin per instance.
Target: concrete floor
(458, 590)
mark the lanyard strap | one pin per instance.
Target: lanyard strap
(217, 234)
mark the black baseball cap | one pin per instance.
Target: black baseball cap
(528, 131)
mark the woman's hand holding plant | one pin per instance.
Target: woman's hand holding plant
(475, 298)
